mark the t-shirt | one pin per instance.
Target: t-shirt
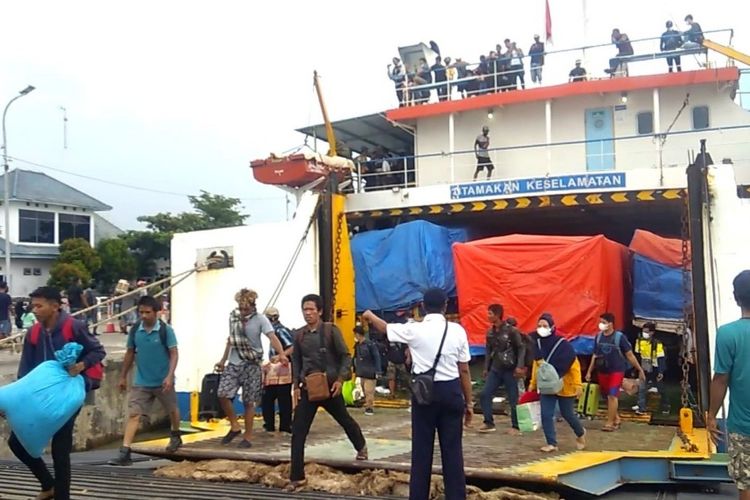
(732, 353)
(151, 359)
(5, 303)
(537, 54)
(615, 360)
(483, 142)
(74, 297)
(578, 74)
(423, 339)
(257, 324)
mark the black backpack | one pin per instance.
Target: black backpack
(162, 334)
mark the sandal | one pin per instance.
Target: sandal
(295, 485)
(610, 428)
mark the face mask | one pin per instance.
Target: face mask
(543, 332)
(603, 327)
(646, 335)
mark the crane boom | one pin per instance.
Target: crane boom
(330, 136)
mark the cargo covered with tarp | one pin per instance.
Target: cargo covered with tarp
(658, 290)
(575, 278)
(393, 267)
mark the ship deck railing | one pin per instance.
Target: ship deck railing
(558, 63)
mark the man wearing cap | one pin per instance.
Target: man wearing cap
(536, 52)
(732, 371)
(244, 351)
(451, 404)
(577, 74)
(277, 379)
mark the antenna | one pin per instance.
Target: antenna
(65, 127)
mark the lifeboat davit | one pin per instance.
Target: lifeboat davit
(300, 169)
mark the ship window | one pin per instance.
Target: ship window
(645, 123)
(700, 117)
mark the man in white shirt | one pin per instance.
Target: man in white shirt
(452, 401)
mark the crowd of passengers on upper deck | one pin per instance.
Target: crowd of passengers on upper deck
(503, 69)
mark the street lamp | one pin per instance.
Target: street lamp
(6, 190)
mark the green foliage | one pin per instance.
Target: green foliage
(76, 260)
(211, 211)
(117, 262)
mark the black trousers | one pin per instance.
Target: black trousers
(445, 415)
(676, 61)
(282, 394)
(62, 445)
(304, 415)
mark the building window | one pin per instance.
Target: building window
(37, 271)
(27, 271)
(36, 227)
(74, 226)
(700, 117)
(645, 123)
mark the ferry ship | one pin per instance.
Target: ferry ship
(602, 157)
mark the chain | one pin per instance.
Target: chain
(686, 301)
(336, 262)
(687, 445)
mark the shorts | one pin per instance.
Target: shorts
(484, 162)
(396, 371)
(246, 375)
(142, 398)
(610, 383)
(739, 460)
(5, 327)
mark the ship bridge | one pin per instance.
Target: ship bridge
(614, 136)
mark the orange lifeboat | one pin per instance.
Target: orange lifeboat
(299, 169)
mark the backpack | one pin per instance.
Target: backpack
(94, 373)
(396, 353)
(162, 335)
(602, 350)
(548, 381)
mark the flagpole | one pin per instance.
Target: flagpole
(585, 28)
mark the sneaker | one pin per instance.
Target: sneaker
(123, 459)
(549, 448)
(369, 412)
(487, 428)
(175, 441)
(581, 442)
(361, 454)
(635, 407)
(641, 412)
(230, 436)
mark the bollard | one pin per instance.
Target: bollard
(686, 421)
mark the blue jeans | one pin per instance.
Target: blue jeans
(567, 410)
(494, 380)
(651, 381)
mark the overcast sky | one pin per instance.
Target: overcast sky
(179, 96)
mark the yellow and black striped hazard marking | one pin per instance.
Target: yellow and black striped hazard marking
(743, 191)
(566, 200)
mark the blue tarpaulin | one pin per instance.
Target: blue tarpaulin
(393, 267)
(657, 290)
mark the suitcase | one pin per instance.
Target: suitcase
(209, 406)
(588, 403)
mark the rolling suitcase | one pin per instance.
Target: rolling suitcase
(588, 403)
(209, 406)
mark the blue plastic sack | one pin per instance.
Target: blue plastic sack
(39, 404)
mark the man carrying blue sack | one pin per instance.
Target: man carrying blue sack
(55, 329)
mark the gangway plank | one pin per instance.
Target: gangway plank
(614, 459)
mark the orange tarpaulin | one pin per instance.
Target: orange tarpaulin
(667, 251)
(575, 278)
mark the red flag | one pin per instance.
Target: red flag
(548, 22)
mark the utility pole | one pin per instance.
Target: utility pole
(6, 190)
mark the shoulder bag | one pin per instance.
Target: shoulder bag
(422, 384)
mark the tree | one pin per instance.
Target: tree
(211, 211)
(117, 262)
(76, 260)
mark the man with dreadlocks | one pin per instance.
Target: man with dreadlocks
(244, 351)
